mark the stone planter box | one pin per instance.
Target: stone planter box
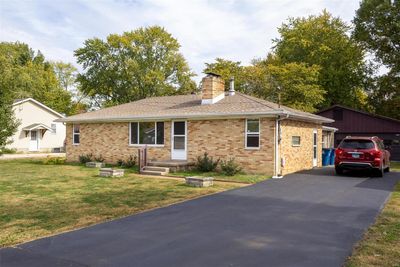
(108, 172)
(198, 181)
(94, 164)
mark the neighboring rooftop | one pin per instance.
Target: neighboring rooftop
(189, 106)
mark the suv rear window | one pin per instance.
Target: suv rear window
(357, 144)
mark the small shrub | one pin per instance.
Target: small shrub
(230, 167)
(206, 163)
(130, 162)
(7, 151)
(85, 158)
(99, 158)
(54, 161)
(120, 163)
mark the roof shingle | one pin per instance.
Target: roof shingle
(189, 106)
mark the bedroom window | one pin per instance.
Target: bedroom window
(147, 133)
(252, 133)
(295, 140)
(76, 134)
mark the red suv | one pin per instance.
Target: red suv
(357, 153)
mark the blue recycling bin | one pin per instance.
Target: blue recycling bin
(326, 156)
(332, 157)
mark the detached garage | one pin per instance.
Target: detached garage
(359, 123)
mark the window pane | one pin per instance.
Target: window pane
(160, 133)
(179, 142)
(134, 137)
(296, 140)
(147, 133)
(76, 139)
(357, 144)
(253, 140)
(54, 128)
(179, 128)
(253, 126)
(76, 128)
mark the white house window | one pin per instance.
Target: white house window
(147, 133)
(54, 128)
(76, 132)
(296, 140)
(252, 133)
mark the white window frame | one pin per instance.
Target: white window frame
(252, 134)
(140, 145)
(296, 145)
(73, 134)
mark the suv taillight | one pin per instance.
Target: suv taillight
(339, 153)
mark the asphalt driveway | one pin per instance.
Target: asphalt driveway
(311, 218)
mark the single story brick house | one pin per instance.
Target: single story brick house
(262, 136)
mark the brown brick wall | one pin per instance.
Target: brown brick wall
(301, 157)
(226, 138)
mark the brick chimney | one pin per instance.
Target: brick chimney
(212, 89)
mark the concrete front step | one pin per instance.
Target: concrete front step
(148, 172)
(156, 168)
(170, 163)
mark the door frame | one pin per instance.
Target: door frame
(37, 140)
(315, 147)
(182, 156)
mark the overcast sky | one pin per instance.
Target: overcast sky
(235, 30)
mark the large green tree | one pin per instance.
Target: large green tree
(324, 41)
(377, 28)
(134, 65)
(67, 76)
(228, 69)
(32, 76)
(8, 123)
(292, 84)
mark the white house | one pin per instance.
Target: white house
(38, 130)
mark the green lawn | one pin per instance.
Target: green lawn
(381, 243)
(244, 178)
(38, 200)
(395, 166)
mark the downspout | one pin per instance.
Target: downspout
(277, 174)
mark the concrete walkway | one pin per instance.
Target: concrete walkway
(30, 155)
(311, 218)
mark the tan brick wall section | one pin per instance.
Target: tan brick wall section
(220, 138)
(226, 138)
(212, 87)
(111, 141)
(301, 157)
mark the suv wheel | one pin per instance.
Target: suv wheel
(379, 172)
(339, 171)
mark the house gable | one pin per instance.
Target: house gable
(348, 120)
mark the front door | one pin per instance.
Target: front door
(34, 142)
(179, 142)
(315, 147)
